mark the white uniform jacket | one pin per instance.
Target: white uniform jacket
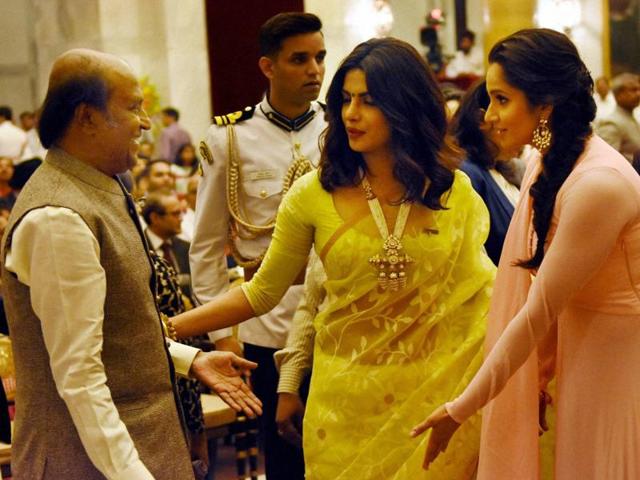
(266, 147)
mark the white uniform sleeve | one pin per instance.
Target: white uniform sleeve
(209, 276)
(296, 359)
(55, 253)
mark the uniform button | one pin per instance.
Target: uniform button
(263, 194)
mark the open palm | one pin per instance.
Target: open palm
(223, 372)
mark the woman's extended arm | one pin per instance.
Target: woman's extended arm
(225, 310)
(595, 211)
(285, 259)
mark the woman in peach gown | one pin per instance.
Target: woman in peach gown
(571, 263)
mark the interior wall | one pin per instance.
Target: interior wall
(343, 26)
(159, 39)
(232, 33)
(168, 40)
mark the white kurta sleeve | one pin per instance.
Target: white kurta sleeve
(55, 253)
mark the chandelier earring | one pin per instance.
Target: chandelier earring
(542, 136)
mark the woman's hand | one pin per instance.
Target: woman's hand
(289, 415)
(443, 429)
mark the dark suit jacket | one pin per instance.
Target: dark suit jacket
(180, 249)
(499, 206)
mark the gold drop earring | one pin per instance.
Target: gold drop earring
(542, 136)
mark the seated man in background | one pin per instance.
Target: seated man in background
(7, 194)
(33, 147)
(163, 215)
(605, 103)
(156, 177)
(13, 140)
(468, 59)
(620, 129)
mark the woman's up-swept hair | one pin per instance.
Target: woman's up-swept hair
(402, 86)
(465, 127)
(547, 68)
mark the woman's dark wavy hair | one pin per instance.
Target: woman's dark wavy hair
(465, 127)
(61, 102)
(403, 87)
(547, 68)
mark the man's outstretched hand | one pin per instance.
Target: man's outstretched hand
(223, 373)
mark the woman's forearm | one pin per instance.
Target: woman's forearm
(225, 310)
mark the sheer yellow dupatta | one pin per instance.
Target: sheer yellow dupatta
(383, 360)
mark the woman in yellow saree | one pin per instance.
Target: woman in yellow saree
(400, 234)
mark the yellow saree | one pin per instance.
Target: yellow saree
(383, 360)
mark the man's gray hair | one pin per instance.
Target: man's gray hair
(621, 81)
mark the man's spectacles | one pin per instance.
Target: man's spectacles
(176, 213)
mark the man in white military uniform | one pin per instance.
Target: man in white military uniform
(250, 159)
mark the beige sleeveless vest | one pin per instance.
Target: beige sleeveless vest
(138, 369)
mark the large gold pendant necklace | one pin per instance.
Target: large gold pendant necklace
(391, 264)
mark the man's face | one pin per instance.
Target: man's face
(629, 96)
(117, 136)
(167, 120)
(146, 150)
(297, 70)
(465, 44)
(169, 223)
(27, 122)
(6, 169)
(160, 178)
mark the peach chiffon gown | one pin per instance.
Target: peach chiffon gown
(588, 288)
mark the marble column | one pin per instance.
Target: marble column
(503, 17)
(162, 39)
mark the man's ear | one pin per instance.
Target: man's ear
(153, 218)
(266, 67)
(87, 118)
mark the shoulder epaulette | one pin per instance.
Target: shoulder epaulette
(235, 117)
(323, 106)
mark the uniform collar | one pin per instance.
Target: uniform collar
(283, 122)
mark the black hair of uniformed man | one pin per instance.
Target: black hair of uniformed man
(282, 26)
